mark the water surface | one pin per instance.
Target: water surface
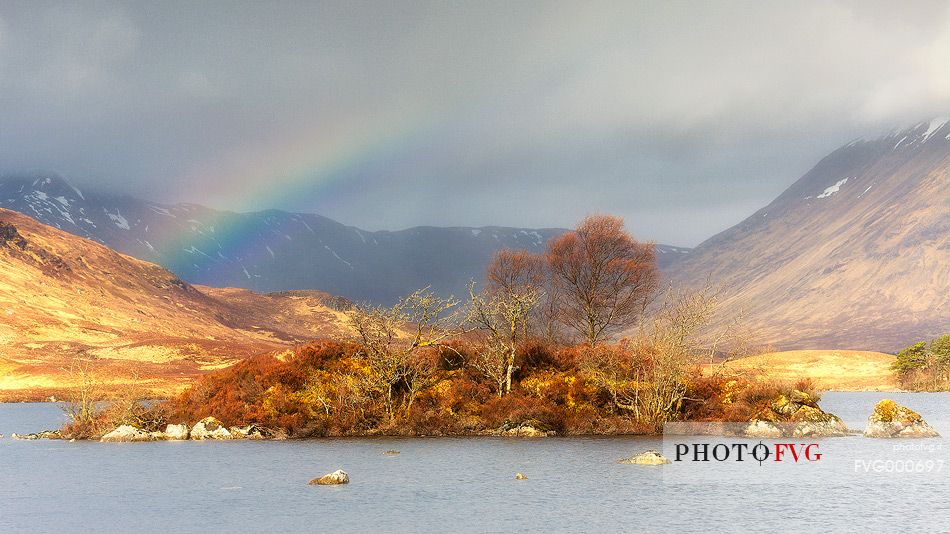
(448, 484)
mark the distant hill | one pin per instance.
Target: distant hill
(62, 296)
(835, 370)
(854, 255)
(275, 250)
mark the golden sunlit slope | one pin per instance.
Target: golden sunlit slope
(839, 370)
(62, 296)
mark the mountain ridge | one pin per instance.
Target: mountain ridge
(64, 299)
(274, 250)
(853, 255)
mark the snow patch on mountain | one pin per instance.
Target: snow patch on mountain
(118, 219)
(833, 189)
(161, 211)
(337, 256)
(934, 126)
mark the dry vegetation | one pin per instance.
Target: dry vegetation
(535, 347)
(840, 370)
(530, 349)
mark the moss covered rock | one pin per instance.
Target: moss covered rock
(891, 420)
(795, 415)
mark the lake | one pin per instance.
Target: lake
(464, 484)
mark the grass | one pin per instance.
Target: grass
(840, 370)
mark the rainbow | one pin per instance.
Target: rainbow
(321, 160)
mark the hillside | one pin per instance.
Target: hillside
(854, 255)
(274, 250)
(837, 370)
(62, 296)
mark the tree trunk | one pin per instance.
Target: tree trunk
(510, 370)
(389, 401)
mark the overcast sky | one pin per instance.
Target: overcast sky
(682, 117)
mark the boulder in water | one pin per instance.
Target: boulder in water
(251, 431)
(176, 432)
(650, 457)
(762, 429)
(127, 433)
(891, 420)
(209, 428)
(332, 479)
(528, 429)
(797, 415)
(46, 434)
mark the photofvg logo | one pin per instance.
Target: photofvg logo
(747, 452)
(709, 453)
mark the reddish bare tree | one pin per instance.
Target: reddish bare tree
(518, 272)
(604, 278)
(513, 271)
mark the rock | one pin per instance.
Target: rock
(46, 434)
(782, 406)
(332, 479)
(797, 415)
(209, 428)
(125, 433)
(251, 431)
(762, 429)
(521, 476)
(391, 451)
(526, 432)
(810, 422)
(527, 429)
(803, 399)
(650, 457)
(176, 432)
(891, 420)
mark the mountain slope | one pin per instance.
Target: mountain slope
(854, 255)
(275, 250)
(62, 296)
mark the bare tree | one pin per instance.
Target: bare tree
(391, 339)
(519, 271)
(604, 278)
(86, 392)
(512, 271)
(502, 317)
(645, 375)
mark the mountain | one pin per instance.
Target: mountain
(274, 250)
(854, 255)
(62, 296)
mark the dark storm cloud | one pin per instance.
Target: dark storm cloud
(683, 117)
